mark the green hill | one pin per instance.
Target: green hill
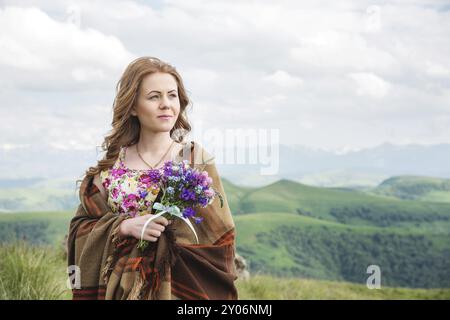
(290, 229)
(284, 244)
(234, 194)
(38, 198)
(415, 188)
(343, 205)
(35, 227)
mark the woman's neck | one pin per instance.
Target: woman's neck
(154, 142)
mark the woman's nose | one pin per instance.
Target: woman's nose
(164, 103)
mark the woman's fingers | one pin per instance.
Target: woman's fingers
(154, 230)
(156, 226)
(154, 233)
(150, 238)
(162, 221)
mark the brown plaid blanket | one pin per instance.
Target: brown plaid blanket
(171, 268)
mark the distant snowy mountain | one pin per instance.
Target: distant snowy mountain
(361, 168)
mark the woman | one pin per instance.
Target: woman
(116, 197)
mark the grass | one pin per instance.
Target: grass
(266, 287)
(39, 273)
(31, 273)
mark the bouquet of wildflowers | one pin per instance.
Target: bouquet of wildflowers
(183, 190)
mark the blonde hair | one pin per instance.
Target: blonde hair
(126, 127)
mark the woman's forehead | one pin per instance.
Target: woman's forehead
(162, 82)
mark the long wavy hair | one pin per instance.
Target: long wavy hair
(126, 127)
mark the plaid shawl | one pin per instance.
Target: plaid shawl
(174, 267)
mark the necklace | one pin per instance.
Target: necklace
(156, 165)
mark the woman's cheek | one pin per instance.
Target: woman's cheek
(148, 109)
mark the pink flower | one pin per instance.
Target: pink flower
(116, 173)
(106, 183)
(130, 203)
(209, 193)
(131, 197)
(115, 193)
(145, 179)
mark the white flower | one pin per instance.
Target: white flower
(170, 190)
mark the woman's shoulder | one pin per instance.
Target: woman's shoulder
(104, 173)
(197, 154)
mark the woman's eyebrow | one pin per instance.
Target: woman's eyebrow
(160, 91)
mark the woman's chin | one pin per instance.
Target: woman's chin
(165, 128)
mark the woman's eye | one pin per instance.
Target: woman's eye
(172, 95)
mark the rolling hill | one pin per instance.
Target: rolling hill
(289, 229)
(415, 188)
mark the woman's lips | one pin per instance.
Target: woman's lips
(164, 117)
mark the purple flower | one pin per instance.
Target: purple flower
(117, 173)
(203, 201)
(198, 220)
(187, 194)
(153, 176)
(188, 212)
(167, 168)
(143, 194)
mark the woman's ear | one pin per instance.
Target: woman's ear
(133, 112)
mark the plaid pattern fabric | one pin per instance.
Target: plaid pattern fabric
(171, 268)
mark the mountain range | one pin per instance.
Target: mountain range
(357, 169)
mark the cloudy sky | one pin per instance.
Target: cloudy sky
(334, 75)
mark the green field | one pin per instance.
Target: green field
(290, 230)
(38, 272)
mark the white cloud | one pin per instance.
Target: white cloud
(346, 74)
(61, 129)
(373, 19)
(38, 51)
(438, 70)
(368, 84)
(283, 79)
(334, 51)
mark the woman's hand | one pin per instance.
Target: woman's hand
(133, 227)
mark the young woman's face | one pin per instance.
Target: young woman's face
(158, 96)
